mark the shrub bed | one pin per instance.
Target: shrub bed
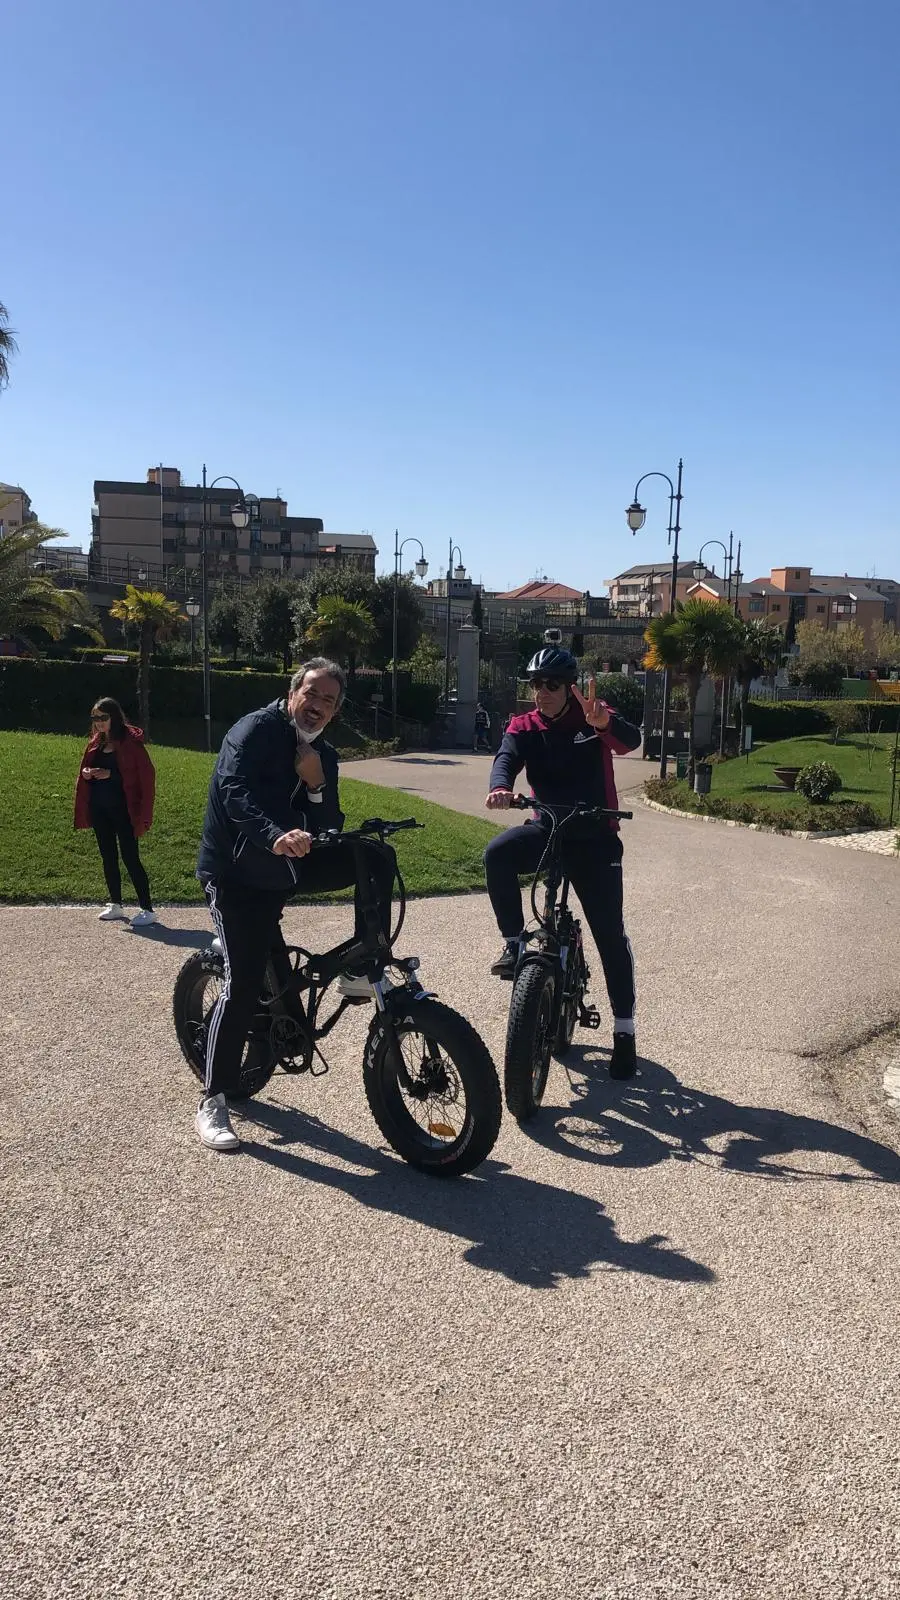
(844, 814)
(792, 719)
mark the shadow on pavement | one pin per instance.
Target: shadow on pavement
(425, 761)
(531, 1233)
(187, 938)
(653, 1117)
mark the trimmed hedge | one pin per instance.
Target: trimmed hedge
(791, 719)
(45, 695)
(849, 814)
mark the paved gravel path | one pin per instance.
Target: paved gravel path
(649, 1350)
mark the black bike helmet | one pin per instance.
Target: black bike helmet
(553, 662)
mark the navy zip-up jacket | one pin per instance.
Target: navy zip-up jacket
(255, 795)
(565, 760)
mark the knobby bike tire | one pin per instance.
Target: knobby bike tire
(258, 1062)
(443, 1032)
(529, 1039)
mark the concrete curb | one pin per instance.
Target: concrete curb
(754, 827)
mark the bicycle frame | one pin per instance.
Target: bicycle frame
(553, 949)
(310, 975)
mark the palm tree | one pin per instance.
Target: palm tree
(157, 618)
(701, 638)
(341, 628)
(8, 346)
(762, 652)
(30, 602)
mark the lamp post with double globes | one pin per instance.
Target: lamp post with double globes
(636, 516)
(421, 569)
(240, 517)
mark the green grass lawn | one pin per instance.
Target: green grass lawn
(866, 775)
(43, 859)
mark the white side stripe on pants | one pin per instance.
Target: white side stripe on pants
(216, 1018)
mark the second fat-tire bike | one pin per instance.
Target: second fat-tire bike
(429, 1079)
(551, 976)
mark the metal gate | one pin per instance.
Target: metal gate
(677, 734)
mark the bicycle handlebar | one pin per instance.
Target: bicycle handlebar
(527, 802)
(372, 825)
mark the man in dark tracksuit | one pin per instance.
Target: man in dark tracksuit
(275, 785)
(566, 745)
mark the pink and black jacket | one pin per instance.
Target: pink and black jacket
(565, 761)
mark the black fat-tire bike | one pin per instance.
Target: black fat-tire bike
(429, 1079)
(551, 976)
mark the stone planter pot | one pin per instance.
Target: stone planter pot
(787, 776)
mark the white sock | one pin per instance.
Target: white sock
(623, 1025)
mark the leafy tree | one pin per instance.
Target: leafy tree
(31, 605)
(700, 638)
(827, 654)
(8, 346)
(156, 618)
(409, 619)
(342, 629)
(885, 647)
(230, 622)
(271, 627)
(762, 651)
(528, 644)
(427, 661)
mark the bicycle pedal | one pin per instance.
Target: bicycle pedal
(590, 1017)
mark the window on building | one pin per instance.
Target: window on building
(820, 608)
(756, 605)
(777, 607)
(798, 575)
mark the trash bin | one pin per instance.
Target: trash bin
(681, 766)
(702, 777)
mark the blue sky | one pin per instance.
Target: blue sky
(467, 269)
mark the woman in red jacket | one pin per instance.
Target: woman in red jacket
(114, 796)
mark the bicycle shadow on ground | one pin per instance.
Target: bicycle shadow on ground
(185, 938)
(532, 1233)
(654, 1117)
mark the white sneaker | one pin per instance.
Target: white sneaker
(144, 919)
(214, 1124)
(112, 913)
(355, 986)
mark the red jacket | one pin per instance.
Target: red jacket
(138, 781)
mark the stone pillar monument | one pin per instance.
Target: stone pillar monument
(467, 658)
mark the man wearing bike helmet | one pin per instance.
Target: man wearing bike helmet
(566, 746)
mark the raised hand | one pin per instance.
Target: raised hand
(595, 713)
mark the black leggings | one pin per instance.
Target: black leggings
(109, 830)
(595, 868)
(247, 922)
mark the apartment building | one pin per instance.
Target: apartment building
(646, 589)
(358, 549)
(796, 594)
(156, 524)
(15, 508)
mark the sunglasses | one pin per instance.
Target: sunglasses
(104, 717)
(548, 683)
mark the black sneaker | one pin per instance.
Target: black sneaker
(623, 1063)
(505, 965)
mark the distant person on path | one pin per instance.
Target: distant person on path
(114, 796)
(482, 729)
